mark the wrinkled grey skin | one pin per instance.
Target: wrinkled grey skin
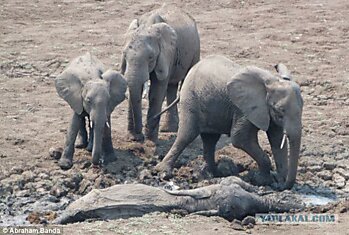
(93, 93)
(230, 199)
(221, 97)
(161, 47)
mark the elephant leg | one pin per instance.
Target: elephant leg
(157, 94)
(108, 144)
(209, 143)
(90, 138)
(66, 160)
(244, 136)
(171, 116)
(275, 134)
(187, 133)
(134, 133)
(82, 141)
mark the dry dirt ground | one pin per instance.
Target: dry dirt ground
(39, 37)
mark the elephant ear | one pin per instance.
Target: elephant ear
(283, 71)
(247, 91)
(117, 88)
(150, 19)
(123, 64)
(167, 38)
(133, 26)
(69, 88)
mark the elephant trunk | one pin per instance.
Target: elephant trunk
(135, 81)
(293, 132)
(295, 144)
(99, 123)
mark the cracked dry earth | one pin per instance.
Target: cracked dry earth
(39, 37)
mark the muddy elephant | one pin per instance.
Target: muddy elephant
(161, 47)
(221, 97)
(92, 93)
(231, 199)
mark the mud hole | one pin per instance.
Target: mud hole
(39, 38)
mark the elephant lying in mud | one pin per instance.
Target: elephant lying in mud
(221, 97)
(231, 198)
(91, 92)
(161, 46)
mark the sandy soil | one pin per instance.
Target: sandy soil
(39, 37)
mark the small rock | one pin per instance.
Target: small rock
(85, 165)
(59, 190)
(144, 174)
(343, 209)
(84, 185)
(50, 215)
(250, 226)
(236, 225)
(23, 193)
(338, 180)
(55, 153)
(51, 198)
(325, 175)
(329, 165)
(27, 176)
(342, 172)
(302, 169)
(314, 168)
(73, 181)
(91, 175)
(99, 182)
(34, 218)
(248, 220)
(16, 170)
(43, 176)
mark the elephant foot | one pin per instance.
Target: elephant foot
(96, 160)
(153, 137)
(65, 163)
(135, 137)
(165, 170)
(261, 178)
(109, 157)
(89, 147)
(278, 177)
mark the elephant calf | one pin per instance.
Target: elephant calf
(221, 97)
(91, 92)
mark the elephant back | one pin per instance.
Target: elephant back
(86, 67)
(188, 41)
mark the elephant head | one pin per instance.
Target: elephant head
(267, 100)
(149, 52)
(97, 97)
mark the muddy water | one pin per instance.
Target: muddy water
(316, 200)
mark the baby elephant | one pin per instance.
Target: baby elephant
(221, 97)
(91, 92)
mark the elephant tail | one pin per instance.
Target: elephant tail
(172, 104)
(167, 108)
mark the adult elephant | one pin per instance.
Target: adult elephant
(221, 97)
(161, 46)
(91, 92)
